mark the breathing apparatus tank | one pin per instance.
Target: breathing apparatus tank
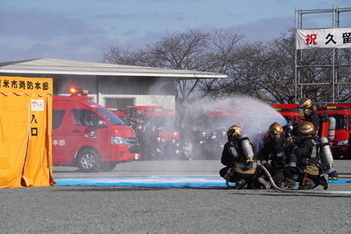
(247, 148)
(326, 154)
(323, 130)
(332, 124)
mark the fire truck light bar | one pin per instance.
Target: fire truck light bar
(285, 109)
(158, 110)
(78, 91)
(337, 107)
(219, 110)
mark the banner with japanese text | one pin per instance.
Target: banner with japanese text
(21, 85)
(323, 38)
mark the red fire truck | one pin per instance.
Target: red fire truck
(289, 111)
(215, 126)
(121, 113)
(254, 120)
(341, 144)
(157, 131)
(88, 135)
(212, 132)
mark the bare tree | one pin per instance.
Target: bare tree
(268, 72)
(191, 50)
(117, 54)
(276, 66)
(265, 70)
(226, 54)
(181, 51)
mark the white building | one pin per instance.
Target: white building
(111, 85)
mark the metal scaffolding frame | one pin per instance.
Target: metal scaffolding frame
(299, 85)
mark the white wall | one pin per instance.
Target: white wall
(167, 101)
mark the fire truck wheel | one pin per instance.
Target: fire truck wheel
(108, 166)
(88, 160)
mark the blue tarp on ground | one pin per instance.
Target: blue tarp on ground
(154, 181)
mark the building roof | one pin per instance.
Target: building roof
(70, 67)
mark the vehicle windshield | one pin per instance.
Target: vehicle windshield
(340, 121)
(110, 117)
(161, 123)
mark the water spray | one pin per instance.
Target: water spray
(251, 115)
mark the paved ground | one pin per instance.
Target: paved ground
(92, 209)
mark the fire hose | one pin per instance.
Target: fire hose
(298, 191)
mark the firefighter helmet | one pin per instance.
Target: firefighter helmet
(234, 131)
(305, 128)
(275, 131)
(306, 107)
(306, 103)
(275, 128)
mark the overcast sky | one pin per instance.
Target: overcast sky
(81, 29)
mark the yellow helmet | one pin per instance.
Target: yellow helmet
(275, 128)
(305, 103)
(234, 131)
(305, 128)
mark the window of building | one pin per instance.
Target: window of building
(119, 102)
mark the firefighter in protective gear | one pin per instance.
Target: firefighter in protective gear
(307, 149)
(240, 164)
(276, 156)
(306, 103)
(308, 111)
(234, 131)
